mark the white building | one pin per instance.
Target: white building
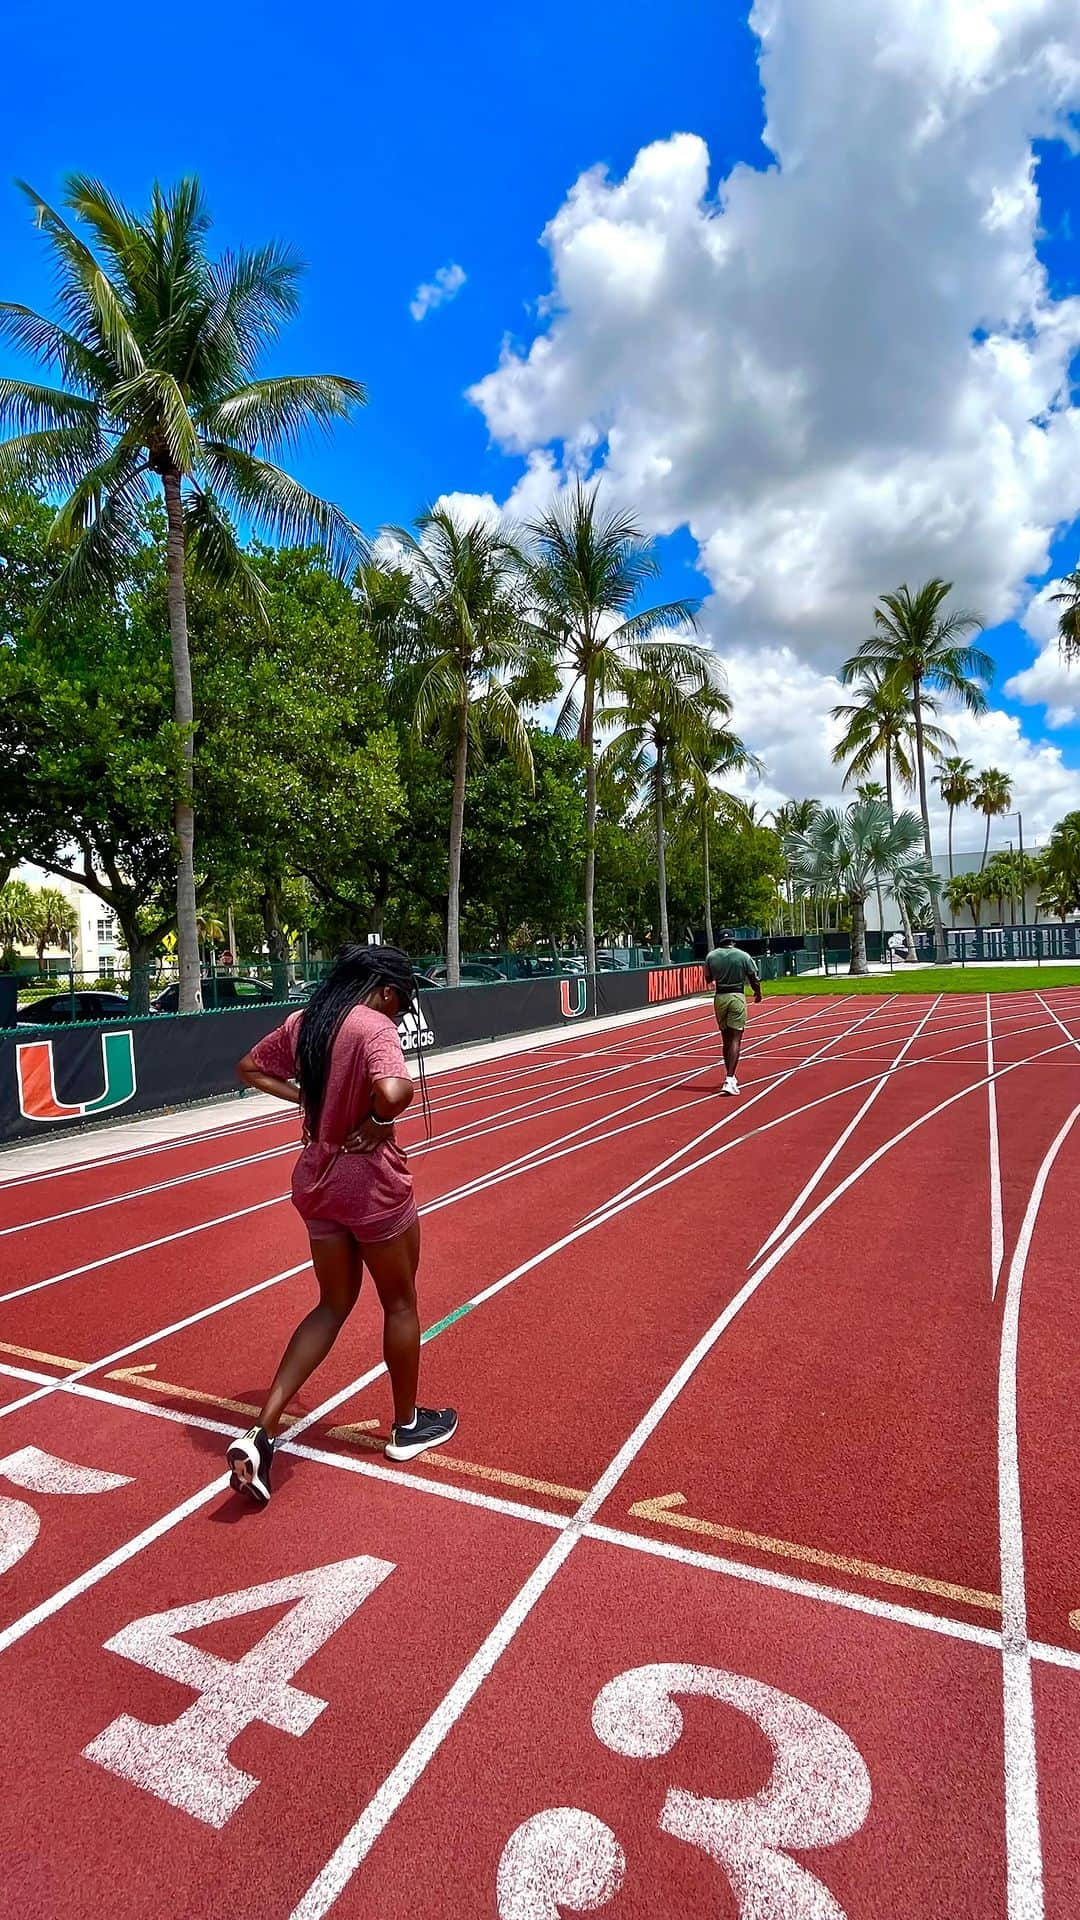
(96, 947)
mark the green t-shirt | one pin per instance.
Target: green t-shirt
(730, 969)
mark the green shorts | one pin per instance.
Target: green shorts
(730, 1010)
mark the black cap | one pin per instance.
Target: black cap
(728, 937)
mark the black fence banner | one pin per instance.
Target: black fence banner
(65, 1076)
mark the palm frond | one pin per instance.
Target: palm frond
(86, 293)
(280, 413)
(154, 401)
(44, 340)
(273, 500)
(501, 717)
(441, 692)
(54, 458)
(27, 406)
(214, 553)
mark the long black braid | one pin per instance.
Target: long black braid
(355, 974)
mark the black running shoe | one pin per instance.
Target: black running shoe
(250, 1458)
(429, 1429)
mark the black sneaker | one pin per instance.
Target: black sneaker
(250, 1458)
(430, 1428)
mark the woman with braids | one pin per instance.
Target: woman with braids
(340, 1061)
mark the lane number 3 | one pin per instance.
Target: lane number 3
(818, 1793)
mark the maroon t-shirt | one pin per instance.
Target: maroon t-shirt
(369, 1194)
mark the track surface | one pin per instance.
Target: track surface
(749, 1586)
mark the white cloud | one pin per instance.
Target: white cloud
(446, 285)
(844, 371)
(783, 706)
(1051, 681)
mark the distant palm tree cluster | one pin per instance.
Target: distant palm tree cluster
(158, 347)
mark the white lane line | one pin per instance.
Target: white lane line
(997, 1226)
(400, 1781)
(733, 1112)
(220, 1306)
(1060, 1023)
(841, 1141)
(638, 1543)
(148, 1340)
(177, 1515)
(1022, 1835)
(90, 1266)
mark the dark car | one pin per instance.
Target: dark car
(57, 1010)
(224, 991)
(473, 974)
(303, 989)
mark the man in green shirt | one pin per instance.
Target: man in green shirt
(728, 971)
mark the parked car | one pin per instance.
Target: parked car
(473, 974)
(224, 991)
(56, 1010)
(302, 990)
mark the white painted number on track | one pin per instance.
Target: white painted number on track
(817, 1794)
(38, 1472)
(186, 1763)
(561, 1860)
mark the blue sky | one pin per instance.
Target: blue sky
(385, 147)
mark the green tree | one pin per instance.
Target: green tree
(521, 863)
(665, 707)
(296, 761)
(588, 574)
(158, 347)
(1060, 868)
(89, 755)
(923, 649)
(16, 914)
(714, 755)
(855, 849)
(966, 891)
(463, 640)
(955, 781)
(1001, 879)
(795, 816)
(53, 918)
(991, 795)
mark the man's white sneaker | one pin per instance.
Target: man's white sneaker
(730, 1085)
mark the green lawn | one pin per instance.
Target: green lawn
(955, 979)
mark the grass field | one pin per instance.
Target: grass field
(954, 979)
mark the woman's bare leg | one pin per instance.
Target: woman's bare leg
(339, 1271)
(392, 1265)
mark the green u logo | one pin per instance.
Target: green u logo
(35, 1068)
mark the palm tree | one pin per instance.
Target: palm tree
(717, 753)
(1060, 868)
(955, 781)
(16, 913)
(53, 919)
(460, 636)
(158, 347)
(795, 816)
(879, 726)
(852, 851)
(586, 578)
(665, 705)
(991, 795)
(1069, 620)
(966, 890)
(923, 649)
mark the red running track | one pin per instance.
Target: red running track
(750, 1584)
